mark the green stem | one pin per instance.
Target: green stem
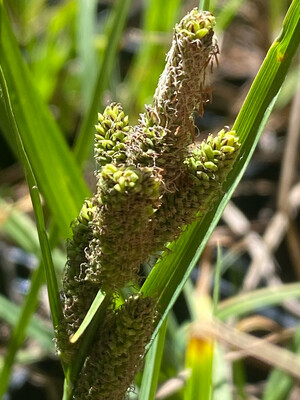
(204, 5)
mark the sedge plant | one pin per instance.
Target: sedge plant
(153, 182)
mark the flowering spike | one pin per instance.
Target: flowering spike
(117, 354)
(112, 131)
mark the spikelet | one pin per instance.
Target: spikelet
(207, 166)
(127, 198)
(152, 182)
(111, 134)
(117, 354)
(166, 130)
(182, 87)
(77, 295)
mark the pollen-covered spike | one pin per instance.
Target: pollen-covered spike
(117, 353)
(74, 298)
(127, 198)
(166, 130)
(207, 167)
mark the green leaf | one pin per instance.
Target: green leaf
(248, 302)
(152, 48)
(37, 328)
(56, 171)
(85, 136)
(53, 294)
(227, 13)
(22, 231)
(37, 207)
(86, 29)
(89, 316)
(279, 384)
(152, 365)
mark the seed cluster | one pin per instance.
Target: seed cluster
(152, 181)
(117, 354)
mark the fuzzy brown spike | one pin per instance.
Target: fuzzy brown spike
(183, 87)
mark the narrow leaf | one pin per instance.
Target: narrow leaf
(85, 136)
(152, 364)
(57, 173)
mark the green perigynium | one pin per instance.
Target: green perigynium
(206, 168)
(75, 300)
(152, 181)
(111, 133)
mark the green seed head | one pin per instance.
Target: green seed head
(111, 133)
(117, 354)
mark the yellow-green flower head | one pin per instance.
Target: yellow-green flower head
(117, 183)
(196, 24)
(112, 131)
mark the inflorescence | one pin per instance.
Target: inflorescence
(152, 181)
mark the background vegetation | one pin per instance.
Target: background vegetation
(76, 56)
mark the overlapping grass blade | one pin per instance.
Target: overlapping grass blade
(279, 384)
(204, 5)
(152, 365)
(84, 139)
(227, 13)
(171, 271)
(89, 316)
(37, 207)
(19, 332)
(48, 269)
(86, 29)
(245, 303)
(22, 231)
(54, 166)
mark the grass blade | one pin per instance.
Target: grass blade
(86, 29)
(200, 352)
(227, 13)
(172, 270)
(248, 302)
(53, 293)
(152, 365)
(37, 329)
(57, 173)
(84, 139)
(89, 316)
(38, 210)
(153, 27)
(19, 332)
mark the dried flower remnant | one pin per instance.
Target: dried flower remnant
(166, 130)
(182, 87)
